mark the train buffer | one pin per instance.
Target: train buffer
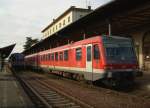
(11, 93)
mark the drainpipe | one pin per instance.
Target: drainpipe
(109, 27)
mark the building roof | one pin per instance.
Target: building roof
(72, 8)
(5, 51)
(125, 15)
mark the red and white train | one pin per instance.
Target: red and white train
(109, 58)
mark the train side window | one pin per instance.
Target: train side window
(89, 53)
(49, 56)
(96, 52)
(56, 56)
(44, 57)
(61, 56)
(41, 58)
(66, 55)
(78, 54)
(52, 56)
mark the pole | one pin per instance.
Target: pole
(109, 29)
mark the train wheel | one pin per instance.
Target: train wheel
(80, 77)
(110, 83)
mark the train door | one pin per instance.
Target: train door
(89, 58)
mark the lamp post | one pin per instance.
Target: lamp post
(0, 61)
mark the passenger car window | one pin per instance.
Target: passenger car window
(96, 52)
(52, 56)
(66, 55)
(78, 54)
(89, 54)
(56, 56)
(49, 56)
(61, 56)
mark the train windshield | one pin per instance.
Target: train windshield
(119, 50)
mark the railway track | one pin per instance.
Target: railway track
(47, 96)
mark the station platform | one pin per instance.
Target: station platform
(11, 93)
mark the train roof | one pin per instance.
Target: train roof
(116, 37)
(79, 44)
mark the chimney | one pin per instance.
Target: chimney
(73, 7)
(53, 20)
(89, 7)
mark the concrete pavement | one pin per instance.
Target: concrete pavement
(11, 93)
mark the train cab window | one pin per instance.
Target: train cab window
(66, 55)
(61, 56)
(78, 54)
(56, 56)
(52, 56)
(96, 52)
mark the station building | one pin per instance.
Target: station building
(69, 16)
(128, 18)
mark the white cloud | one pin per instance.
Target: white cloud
(21, 18)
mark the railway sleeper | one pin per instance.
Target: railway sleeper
(66, 105)
(55, 97)
(59, 101)
(48, 92)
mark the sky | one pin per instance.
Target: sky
(23, 18)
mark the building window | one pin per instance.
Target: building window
(66, 55)
(56, 27)
(96, 52)
(69, 19)
(61, 56)
(53, 29)
(64, 22)
(81, 16)
(56, 56)
(59, 25)
(50, 31)
(78, 54)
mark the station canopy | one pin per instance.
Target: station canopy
(123, 16)
(5, 51)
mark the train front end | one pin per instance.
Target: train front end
(121, 65)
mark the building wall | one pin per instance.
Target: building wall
(66, 20)
(78, 14)
(137, 37)
(73, 16)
